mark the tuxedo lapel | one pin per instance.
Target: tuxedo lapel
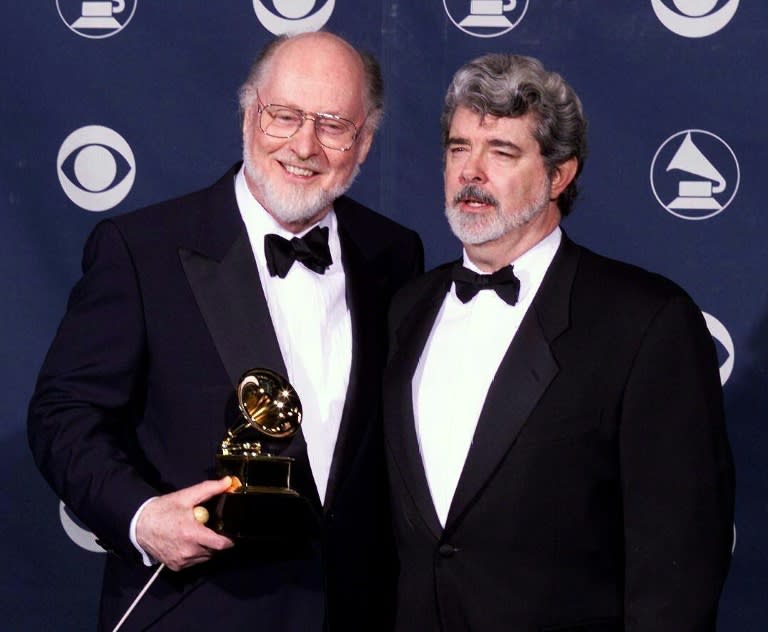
(363, 296)
(525, 372)
(403, 443)
(527, 369)
(222, 274)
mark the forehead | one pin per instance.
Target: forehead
(316, 75)
(467, 124)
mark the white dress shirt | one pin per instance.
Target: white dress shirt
(462, 355)
(314, 329)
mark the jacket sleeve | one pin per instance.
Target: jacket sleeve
(677, 477)
(89, 392)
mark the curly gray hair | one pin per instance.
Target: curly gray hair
(505, 85)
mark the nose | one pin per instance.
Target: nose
(472, 170)
(304, 142)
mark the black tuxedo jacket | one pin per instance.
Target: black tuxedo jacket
(597, 494)
(137, 391)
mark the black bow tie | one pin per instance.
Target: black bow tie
(503, 282)
(311, 250)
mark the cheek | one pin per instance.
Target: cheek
(451, 172)
(251, 134)
(341, 168)
(522, 185)
(251, 144)
(262, 150)
(364, 146)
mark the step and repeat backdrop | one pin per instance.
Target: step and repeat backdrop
(111, 105)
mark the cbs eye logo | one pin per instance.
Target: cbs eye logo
(293, 16)
(695, 18)
(77, 531)
(726, 352)
(96, 168)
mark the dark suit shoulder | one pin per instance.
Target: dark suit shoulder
(168, 211)
(209, 216)
(434, 282)
(393, 252)
(378, 229)
(612, 279)
(178, 206)
(621, 300)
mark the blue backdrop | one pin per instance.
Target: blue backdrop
(109, 106)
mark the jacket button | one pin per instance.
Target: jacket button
(446, 550)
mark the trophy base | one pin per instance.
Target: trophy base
(259, 473)
(268, 515)
(264, 506)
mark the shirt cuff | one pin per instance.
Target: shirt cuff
(145, 558)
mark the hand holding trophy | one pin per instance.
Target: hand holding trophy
(261, 503)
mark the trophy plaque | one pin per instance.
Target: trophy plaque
(261, 503)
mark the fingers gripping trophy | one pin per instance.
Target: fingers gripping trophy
(260, 503)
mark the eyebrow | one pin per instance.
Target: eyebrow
(290, 104)
(504, 144)
(494, 142)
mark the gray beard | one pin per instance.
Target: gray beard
(479, 229)
(290, 204)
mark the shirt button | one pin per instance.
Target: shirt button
(446, 550)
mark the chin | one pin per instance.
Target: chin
(292, 203)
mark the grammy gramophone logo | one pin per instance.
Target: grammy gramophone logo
(96, 19)
(485, 18)
(695, 174)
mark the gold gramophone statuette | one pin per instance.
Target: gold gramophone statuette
(271, 414)
(261, 501)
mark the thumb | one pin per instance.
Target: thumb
(207, 489)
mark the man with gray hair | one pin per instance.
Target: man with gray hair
(271, 267)
(553, 419)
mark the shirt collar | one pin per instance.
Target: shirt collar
(531, 266)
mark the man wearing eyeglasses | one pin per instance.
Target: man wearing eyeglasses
(270, 267)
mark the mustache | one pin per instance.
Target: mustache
(306, 163)
(473, 193)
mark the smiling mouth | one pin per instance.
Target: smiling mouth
(298, 171)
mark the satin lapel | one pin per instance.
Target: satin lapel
(524, 374)
(228, 291)
(402, 440)
(362, 392)
(221, 271)
(223, 276)
(231, 299)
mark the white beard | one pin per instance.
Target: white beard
(292, 204)
(471, 228)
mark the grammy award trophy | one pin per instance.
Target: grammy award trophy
(261, 503)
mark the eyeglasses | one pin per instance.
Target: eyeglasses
(281, 121)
